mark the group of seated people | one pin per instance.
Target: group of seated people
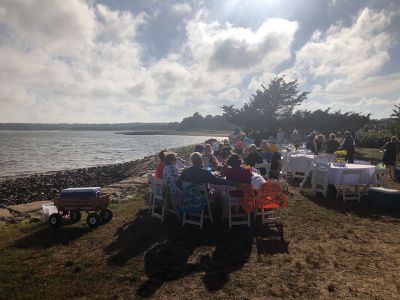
(227, 162)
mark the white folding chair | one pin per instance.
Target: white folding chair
(320, 178)
(322, 158)
(266, 166)
(299, 166)
(380, 177)
(157, 198)
(206, 213)
(234, 218)
(347, 175)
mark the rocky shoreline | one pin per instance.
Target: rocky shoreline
(48, 186)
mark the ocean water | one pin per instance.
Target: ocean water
(30, 152)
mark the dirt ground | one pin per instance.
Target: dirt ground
(331, 250)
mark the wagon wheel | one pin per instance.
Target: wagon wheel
(75, 215)
(93, 220)
(106, 215)
(55, 220)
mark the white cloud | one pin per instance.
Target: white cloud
(181, 8)
(227, 47)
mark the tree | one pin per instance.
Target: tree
(267, 106)
(396, 113)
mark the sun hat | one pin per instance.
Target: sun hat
(199, 148)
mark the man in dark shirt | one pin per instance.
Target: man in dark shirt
(332, 144)
(276, 162)
(254, 158)
(197, 175)
(349, 146)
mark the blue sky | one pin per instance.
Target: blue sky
(159, 61)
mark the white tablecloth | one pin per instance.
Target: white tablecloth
(256, 180)
(367, 171)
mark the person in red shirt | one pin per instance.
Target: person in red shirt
(234, 173)
(160, 167)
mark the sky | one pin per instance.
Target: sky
(120, 61)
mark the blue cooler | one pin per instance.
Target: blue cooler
(80, 192)
(384, 198)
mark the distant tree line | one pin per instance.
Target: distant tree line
(273, 107)
(209, 122)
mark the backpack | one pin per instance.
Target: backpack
(193, 199)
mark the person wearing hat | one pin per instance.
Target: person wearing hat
(276, 162)
(225, 151)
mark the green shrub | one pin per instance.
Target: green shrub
(372, 139)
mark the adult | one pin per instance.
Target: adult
(276, 162)
(209, 160)
(295, 137)
(280, 136)
(310, 141)
(225, 151)
(196, 174)
(332, 144)
(161, 165)
(319, 144)
(254, 158)
(199, 148)
(265, 153)
(170, 175)
(391, 155)
(349, 146)
(236, 174)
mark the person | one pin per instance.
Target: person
(236, 174)
(295, 137)
(199, 148)
(161, 165)
(319, 144)
(239, 147)
(225, 151)
(391, 155)
(332, 144)
(265, 153)
(209, 160)
(310, 141)
(254, 158)
(170, 175)
(196, 174)
(280, 136)
(349, 146)
(276, 162)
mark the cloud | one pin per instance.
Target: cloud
(228, 47)
(181, 8)
(88, 62)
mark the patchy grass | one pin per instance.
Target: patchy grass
(370, 154)
(331, 250)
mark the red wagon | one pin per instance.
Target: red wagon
(73, 201)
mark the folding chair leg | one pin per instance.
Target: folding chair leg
(210, 215)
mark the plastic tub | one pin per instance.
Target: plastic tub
(48, 210)
(384, 198)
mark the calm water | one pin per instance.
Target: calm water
(29, 152)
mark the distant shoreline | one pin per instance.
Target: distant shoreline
(175, 132)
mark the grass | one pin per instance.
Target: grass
(331, 250)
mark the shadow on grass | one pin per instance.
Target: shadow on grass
(46, 237)
(169, 245)
(364, 208)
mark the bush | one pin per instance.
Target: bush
(372, 139)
